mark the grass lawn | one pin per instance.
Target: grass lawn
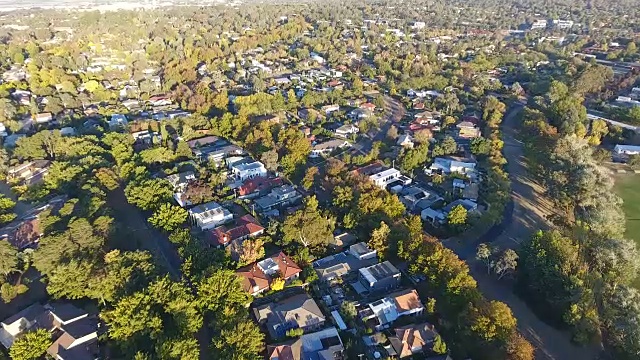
(627, 186)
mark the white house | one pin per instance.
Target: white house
(327, 147)
(328, 109)
(346, 130)
(405, 140)
(179, 183)
(386, 177)
(390, 308)
(539, 24)
(627, 149)
(209, 215)
(448, 166)
(247, 168)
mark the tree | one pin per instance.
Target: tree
(392, 133)
(168, 217)
(480, 146)
(31, 345)
(439, 346)
(484, 253)
(270, 159)
(277, 284)
(148, 194)
(8, 258)
(241, 340)
(295, 333)
(309, 177)
(348, 310)
(457, 216)
(309, 226)
(507, 262)
(379, 240)
(251, 250)
(518, 348)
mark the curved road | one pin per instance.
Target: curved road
(530, 211)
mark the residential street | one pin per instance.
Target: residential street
(530, 211)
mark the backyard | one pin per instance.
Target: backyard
(627, 186)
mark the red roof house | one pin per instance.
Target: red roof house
(257, 277)
(258, 184)
(246, 227)
(368, 106)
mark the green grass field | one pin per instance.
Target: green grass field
(627, 186)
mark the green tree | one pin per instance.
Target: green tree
(457, 216)
(168, 217)
(439, 346)
(309, 177)
(31, 346)
(8, 258)
(309, 226)
(379, 240)
(348, 310)
(148, 194)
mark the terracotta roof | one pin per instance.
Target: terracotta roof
(407, 300)
(368, 106)
(415, 336)
(252, 275)
(245, 226)
(281, 352)
(369, 169)
(257, 184)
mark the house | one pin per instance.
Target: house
(343, 240)
(327, 147)
(359, 114)
(467, 130)
(209, 215)
(74, 332)
(117, 121)
(336, 266)
(203, 141)
(370, 169)
(322, 345)
(281, 81)
(427, 117)
(379, 277)
(346, 130)
(295, 312)
(386, 177)
(67, 131)
(449, 165)
(144, 137)
(258, 185)
(328, 109)
(413, 339)
(247, 168)
(281, 196)
(539, 24)
(626, 149)
(159, 100)
(43, 118)
(381, 313)
(29, 173)
(25, 232)
(258, 277)
(367, 107)
(439, 216)
(131, 104)
(217, 153)
(246, 227)
(179, 182)
(416, 199)
(309, 114)
(406, 141)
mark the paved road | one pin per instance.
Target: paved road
(530, 211)
(21, 207)
(393, 112)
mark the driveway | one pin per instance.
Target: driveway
(530, 210)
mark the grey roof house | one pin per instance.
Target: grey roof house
(298, 311)
(336, 266)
